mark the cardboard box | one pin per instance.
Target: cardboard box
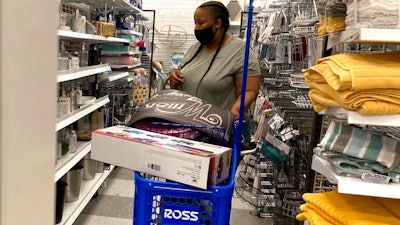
(181, 160)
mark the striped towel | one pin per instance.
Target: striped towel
(345, 165)
(345, 209)
(358, 143)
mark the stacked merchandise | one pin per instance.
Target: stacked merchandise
(372, 14)
(332, 16)
(366, 83)
(122, 61)
(334, 208)
(179, 166)
(355, 152)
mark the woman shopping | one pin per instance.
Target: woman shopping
(212, 67)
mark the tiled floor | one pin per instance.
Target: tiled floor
(114, 204)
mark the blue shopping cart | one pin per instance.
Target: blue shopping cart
(170, 203)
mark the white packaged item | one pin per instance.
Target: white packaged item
(185, 161)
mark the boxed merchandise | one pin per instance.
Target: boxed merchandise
(115, 47)
(189, 162)
(104, 29)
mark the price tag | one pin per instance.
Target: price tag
(375, 178)
(276, 122)
(288, 133)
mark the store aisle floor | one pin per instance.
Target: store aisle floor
(114, 204)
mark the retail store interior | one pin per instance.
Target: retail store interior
(100, 120)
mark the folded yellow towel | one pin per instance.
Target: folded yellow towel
(357, 71)
(336, 24)
(322, 27)
(346, 209)
(313, 217)
(374, 101)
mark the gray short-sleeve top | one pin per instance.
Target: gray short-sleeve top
(217, 86)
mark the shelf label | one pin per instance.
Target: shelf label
(375, 178)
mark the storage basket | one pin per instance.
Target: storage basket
(171, 203)
(104, 29)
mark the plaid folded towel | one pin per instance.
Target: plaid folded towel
(362, 144)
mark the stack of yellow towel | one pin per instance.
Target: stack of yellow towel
(366, 83)
(332, 16)
(333, 208)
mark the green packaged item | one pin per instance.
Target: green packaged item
(111, 47)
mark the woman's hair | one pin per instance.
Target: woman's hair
(219, 11)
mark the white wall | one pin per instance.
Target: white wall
(28, 49)
(178, 15)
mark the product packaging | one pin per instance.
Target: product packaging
(194, 163)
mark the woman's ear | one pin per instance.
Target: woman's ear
(218, 23)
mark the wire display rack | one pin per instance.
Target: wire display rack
(274, 185)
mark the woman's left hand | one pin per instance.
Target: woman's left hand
(235, 113)
(175, 79)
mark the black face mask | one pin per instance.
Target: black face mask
(205, 36)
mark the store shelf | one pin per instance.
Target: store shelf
(353, 117)
(80, 113)
(125, 66)
(69, 160)
(88, 189)
(129, 79)
(116, 75)
(120, 53)
(377, 120)
(355, 186)
(118, 5)
(365, 35)
(70, 35)
(129, 32)
(73, 74)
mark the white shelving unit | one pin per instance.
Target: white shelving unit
(116, 75)
(70, 35)
(377, 120)
(120, 53)
(119, 5)
(64, 121)
(125, 66)
(353, 117)
(365, 35)
(351, 185)
(129, 32)
(88, 189)
(66, 162)
(73, 74)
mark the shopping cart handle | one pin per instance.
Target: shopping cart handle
(250, 151)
